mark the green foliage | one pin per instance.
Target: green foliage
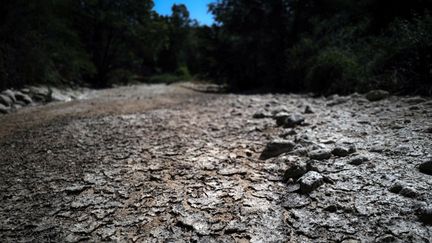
(111, 32)
(98, 42)
(299, 60)
(325, 45)
(40, 45)
(181, 74)
(406, 61)
(335, 71)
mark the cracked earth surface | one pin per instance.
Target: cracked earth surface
(165, 164)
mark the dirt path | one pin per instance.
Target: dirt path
(165, 164)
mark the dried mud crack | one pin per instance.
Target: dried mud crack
(180, 166)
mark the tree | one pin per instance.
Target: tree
(109, 29)
(253, 38)
(40, 45)
(175, 51)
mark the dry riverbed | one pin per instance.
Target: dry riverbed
(167, 164)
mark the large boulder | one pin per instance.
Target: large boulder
(60, 96)
(23, 98)
(5, 100)
(9, 93)
(41, 94)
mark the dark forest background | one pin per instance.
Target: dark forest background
(323, 46)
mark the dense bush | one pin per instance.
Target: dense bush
(407, 62)
(334, 71)
(326, 45)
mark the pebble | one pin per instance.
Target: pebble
(259, 115)
(320, 154)
(396, 187)
(358, 160)
(75, 189)
(310, 181)
(280, 118)
(308, 110)
(409, 192)
(426, 167)
(331, 208)
(288, 120)
(293, 120)
(342, 151)
(403, 190)
(277, 147)
(425, 215)
(295, 170)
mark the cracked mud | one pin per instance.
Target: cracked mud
(170, 165)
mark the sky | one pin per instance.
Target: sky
(197, 8)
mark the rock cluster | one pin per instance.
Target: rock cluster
(11, 100)
(318, 169)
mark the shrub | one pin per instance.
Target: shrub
(333, 70)
(183, 73)
(407, 62)
(299, 60)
